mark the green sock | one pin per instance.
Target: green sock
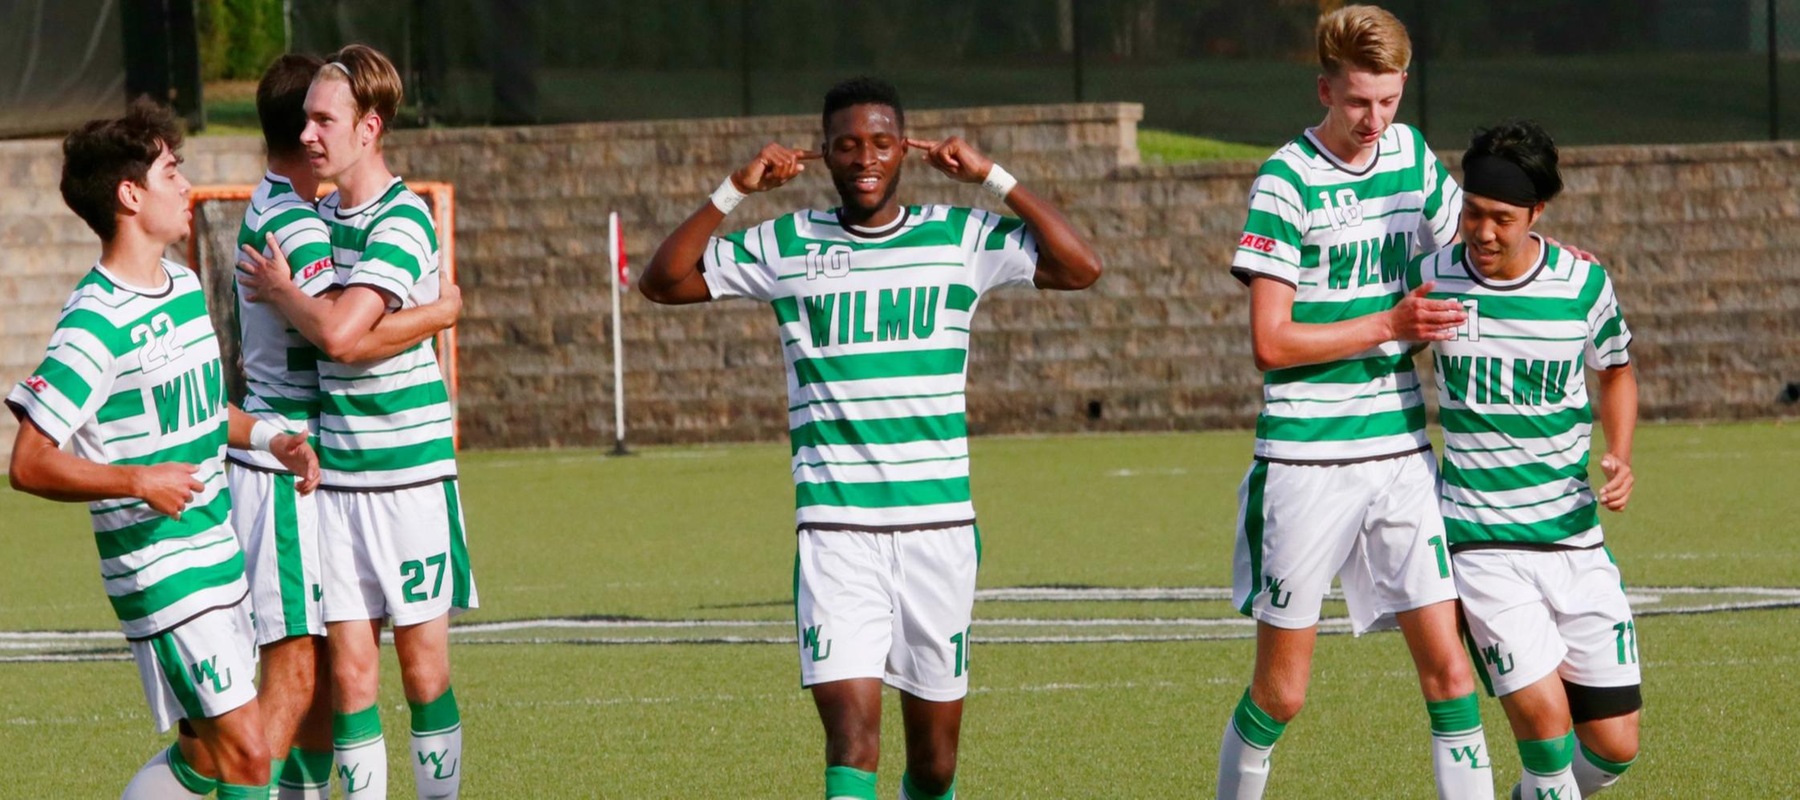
(1454, 716)
(913, 792)
(305, 769)
(1548, 756)
(1255, 724)
(185, 774)
(232, 791)
(849, 782)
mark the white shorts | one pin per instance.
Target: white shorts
(1374, 524)
(278, 529)
(395, 554)
(1532, 613)
(200, 669)
(894, 606)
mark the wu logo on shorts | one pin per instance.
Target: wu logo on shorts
(1277, 598)
(208, 671)
(1552, 793)
(810, 639)
(347, 774)
(1501, 664)
(1471, 754)
(436, 760)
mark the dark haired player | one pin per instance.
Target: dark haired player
(873, 301)
(1553, 632)
(133, 384)
(277, 525)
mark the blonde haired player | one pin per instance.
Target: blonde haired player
(277, 525)
(1342, 482)
(390, 514)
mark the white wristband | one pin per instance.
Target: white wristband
(727, 196)
(999, 182)
(261, 434)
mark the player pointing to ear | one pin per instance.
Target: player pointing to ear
(874, 300)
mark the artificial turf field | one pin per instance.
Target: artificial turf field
(650, 651)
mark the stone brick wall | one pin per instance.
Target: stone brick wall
(1703, 241)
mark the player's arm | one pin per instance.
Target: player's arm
(39, 467)
(1278, 342)
(400, 331)
(334, 321)
(1618, 420)
(1065, 259)
(245, 432)
(674, 275)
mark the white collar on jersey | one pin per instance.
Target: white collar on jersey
(167, 288)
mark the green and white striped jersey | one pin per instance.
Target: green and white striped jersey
(1341, 238)
(281, 372)
(385, 424)
(874, 327)
(132, 377)
(1512, 397)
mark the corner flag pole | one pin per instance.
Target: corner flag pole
(615, 251)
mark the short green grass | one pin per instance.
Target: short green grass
(1168, 147)
(699, 533)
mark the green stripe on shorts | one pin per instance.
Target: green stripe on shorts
(289, 562)
(1253, 530)
(459, 549)
(175, 674)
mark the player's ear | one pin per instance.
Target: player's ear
(1324, 90)
(130, 196)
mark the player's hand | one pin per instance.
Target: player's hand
(447, 307)
(773, 167)
(955, 157)
(1418, 318)
(262, 275)
(168, 487)
(1575, 251)
(1617, 491)
(294, 453)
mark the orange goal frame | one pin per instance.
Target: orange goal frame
(443, 211)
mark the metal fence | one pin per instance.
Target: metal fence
(1596, 71)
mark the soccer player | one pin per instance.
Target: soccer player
(390, 517)
(133, 385)
(276, 524)
(873, 301)
(1343, 481)
(1545, 604)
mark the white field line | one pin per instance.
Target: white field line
(108, 645)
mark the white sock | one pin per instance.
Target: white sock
(1547, 773)
(1459, 754)
(1460, 763)
(157, 780)
(361, 754)
(437, 747)
(1593, 773)
(1244, 752)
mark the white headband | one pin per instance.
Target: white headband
(340, 66)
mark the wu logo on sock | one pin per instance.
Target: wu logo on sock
(436, 760)
(1502, 664)
(207, 671)
(1552, 793)
(347, 774)
(810, 639)
(1472, 754)
(1276, 597)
